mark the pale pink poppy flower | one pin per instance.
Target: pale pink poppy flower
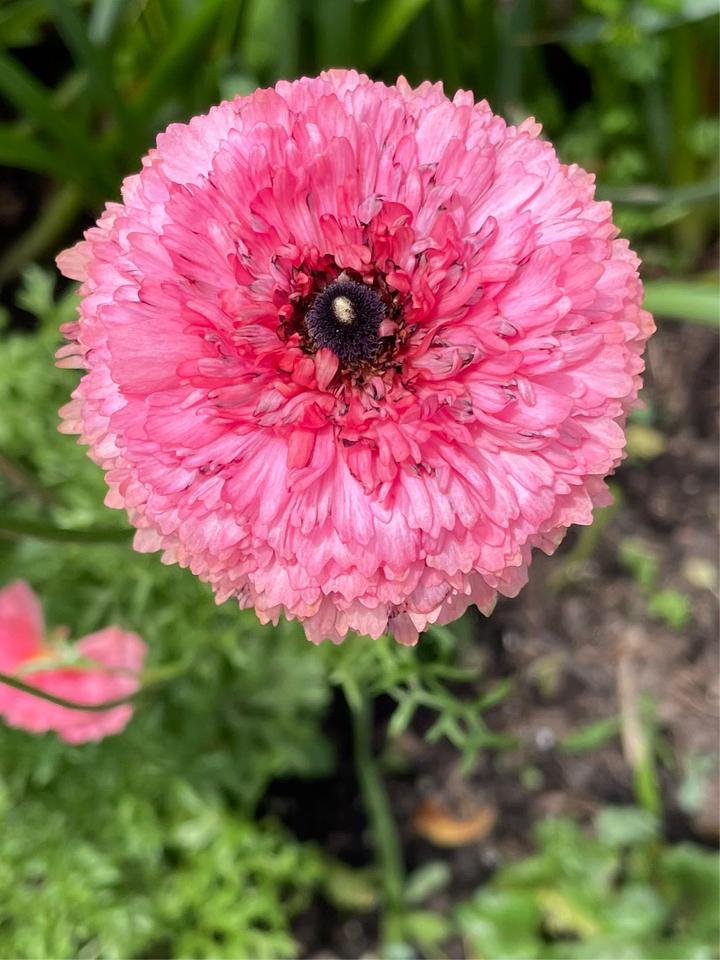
(117, 655)
(352, 351)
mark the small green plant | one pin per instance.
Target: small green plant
(669, 606)
(183, 877)
(617, 891)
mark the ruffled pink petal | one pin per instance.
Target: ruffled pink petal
(246, 451)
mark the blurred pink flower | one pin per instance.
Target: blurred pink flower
(119, 657)
(352, 351)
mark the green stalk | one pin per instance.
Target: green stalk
(18, 684)
(150, 678)
(388, 851)
(17, 529)
(686, 108)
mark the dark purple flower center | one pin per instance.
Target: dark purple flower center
(345, 318)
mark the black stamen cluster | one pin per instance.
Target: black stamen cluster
(345, 317)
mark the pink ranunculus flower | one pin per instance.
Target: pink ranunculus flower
(352, 351)
(119, 657)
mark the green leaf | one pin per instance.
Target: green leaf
(36, 290)
(644, 442)
(61, 208)
(21, 23)
(640, 560)
(698, 768)
(90, 56)
(104, 18)
(271, 37)
(693, 884)
(19, 149)
(591, 737)
(426, 928)
(671, 606)
(565, 854)
(653, 196)
(350, 889)
(394, 17)
(34, 102)
(678, 300)
(427, 880)
(578, 898)
(334, 32)
(625, 826)
(590, 30)
(180, 60)
(693, 10)
(568, 912)
(496, 695)
(398, 950)
(402, 715)
(501, 924)
(638, 914)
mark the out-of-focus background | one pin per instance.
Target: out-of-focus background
(553, 770)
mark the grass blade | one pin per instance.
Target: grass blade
(679, 300)
(34, 102)
(180, 60)
(270, 42)
(334, 33)
(21, 23)
(394, 17)
(18, 529)
(104, 18)
(20, 150)
(73, 31)
(654, 196)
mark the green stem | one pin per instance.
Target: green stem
(16, 529)
(60, 701)
(377, 807)
(150, 678)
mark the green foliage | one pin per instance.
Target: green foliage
(697, 301)
(645, 123)
(618, 892)
(418, 677)
(178, 876)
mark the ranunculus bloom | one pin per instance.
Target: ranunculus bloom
(118, 655)
(352, 351)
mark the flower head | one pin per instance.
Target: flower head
(352, 351)
(118, 655)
